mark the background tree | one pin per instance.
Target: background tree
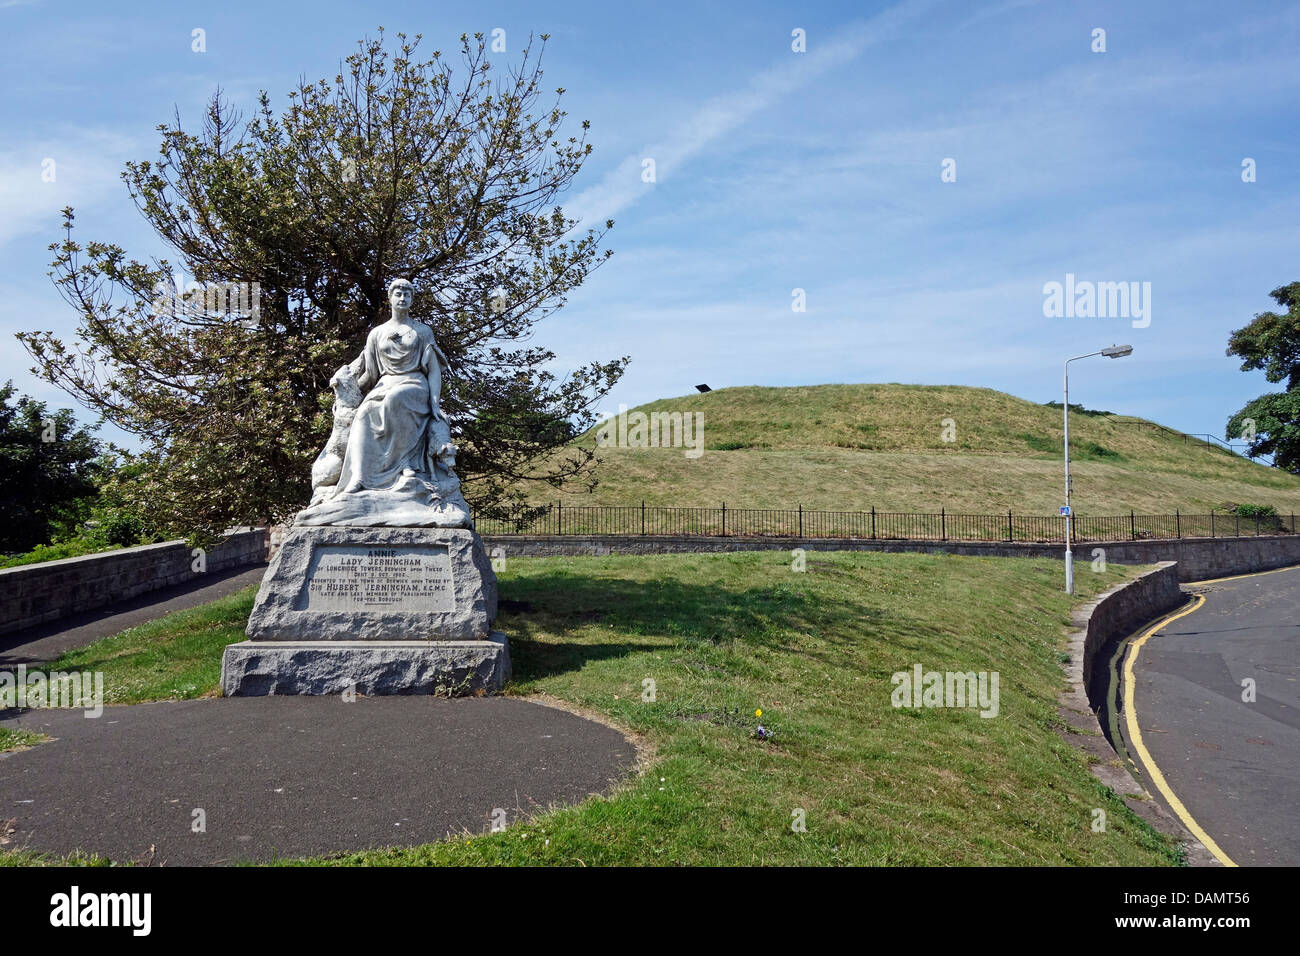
(1272, 343)
(48, 471)
(396, 168)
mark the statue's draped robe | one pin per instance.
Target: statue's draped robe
(399, 419)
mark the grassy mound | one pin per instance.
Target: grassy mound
(851, 447)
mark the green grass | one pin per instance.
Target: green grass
(1041, 443)
(29, 858)
(729, 634)
(1093, 450)
(724, 635)
(14, 739)
(852, 447)
(174, 658)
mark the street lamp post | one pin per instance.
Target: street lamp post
(1115, 351)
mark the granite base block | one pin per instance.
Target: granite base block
(376, 584)
(368, 668)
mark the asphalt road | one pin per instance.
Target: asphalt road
(284, 777)
(1234, 766)
(45, 642)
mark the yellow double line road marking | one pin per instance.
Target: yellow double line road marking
(1135, 736)
(1135, 733)
(1238, 577)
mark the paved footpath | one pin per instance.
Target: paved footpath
(285, 777)
(1234, 766)
(45, 642)
(278, 777)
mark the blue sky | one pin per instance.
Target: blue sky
(779, 170)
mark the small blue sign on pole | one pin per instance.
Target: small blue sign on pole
(1065, 511)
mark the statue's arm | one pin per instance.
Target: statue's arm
(365, 366)
(432, 369)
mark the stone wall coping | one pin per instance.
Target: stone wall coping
(35, 594)
(82, 560)
(144, 550)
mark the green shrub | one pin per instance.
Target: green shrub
(1040, 443)
(1093, 450)
(1080, 410)
(109, 528)
(118, 528)
(53, 552)
(1265, 515)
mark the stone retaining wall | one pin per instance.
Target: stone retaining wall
(1113, 615)
(1197, 558)
(1116, 614)
(33, 594)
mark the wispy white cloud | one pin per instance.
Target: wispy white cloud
(997, 10)
(84, 165)
(722, 114)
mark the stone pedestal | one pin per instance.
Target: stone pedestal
(368, 668)
(375, 610)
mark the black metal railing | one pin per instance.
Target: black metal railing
(800, 522)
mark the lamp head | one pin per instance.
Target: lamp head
(1117, 351)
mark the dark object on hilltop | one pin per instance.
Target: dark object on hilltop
(1078, 409)
(703, 388)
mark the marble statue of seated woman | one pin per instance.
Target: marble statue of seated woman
(389, 461)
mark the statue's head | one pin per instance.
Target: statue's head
(401, 293)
